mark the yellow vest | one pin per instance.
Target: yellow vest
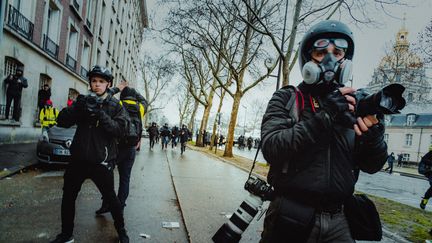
(48, 116)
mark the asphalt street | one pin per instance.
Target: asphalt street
(194, 190)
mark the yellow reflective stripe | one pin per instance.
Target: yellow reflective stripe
(132, 102)
(141, 110)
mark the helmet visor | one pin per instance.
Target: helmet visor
(324, 43)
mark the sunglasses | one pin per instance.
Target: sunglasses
(324, 43)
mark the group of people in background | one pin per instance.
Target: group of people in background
(168, 135)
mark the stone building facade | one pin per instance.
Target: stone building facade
(57, 42)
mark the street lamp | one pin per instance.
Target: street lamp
(244, 124)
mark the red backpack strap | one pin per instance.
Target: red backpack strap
(299, 102)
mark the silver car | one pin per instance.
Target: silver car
(53, 146)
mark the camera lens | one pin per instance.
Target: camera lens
(231, 231)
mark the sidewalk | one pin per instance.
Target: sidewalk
(15, 157)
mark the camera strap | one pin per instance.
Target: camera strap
(253, 164)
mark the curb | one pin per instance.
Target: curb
(6, 172)
(10, 171)
(397, 238)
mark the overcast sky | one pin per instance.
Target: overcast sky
(370, 44)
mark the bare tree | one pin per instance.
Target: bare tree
(304, 13)
(424, 44)
(229, 46)
(184, 102)
(156, 74)
(258, 107)
(200, 85)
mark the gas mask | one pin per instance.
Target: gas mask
(328, 71)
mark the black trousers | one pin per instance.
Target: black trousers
(17, 106)
(73, 179)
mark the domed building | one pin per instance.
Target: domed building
(408, 134)
(403, 66)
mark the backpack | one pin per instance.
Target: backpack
(424, 166)
(134, 130)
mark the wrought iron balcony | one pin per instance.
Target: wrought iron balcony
(20, 23)
(71, 63)
(76, 4)
(3, 112)
(83, 72)
(88, 23)
(50, 47)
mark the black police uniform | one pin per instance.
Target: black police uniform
(94, 151)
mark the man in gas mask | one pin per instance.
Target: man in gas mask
(315, 145)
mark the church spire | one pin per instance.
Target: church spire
(402, 43)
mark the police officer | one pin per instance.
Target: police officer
(315, 145)
(100, 120)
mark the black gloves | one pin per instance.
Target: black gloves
(334, 104)
(374, 134)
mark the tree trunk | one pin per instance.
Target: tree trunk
(191, 124)
(203, 126)
(206, 115)
(232, 124)
(147, 113)
(216, 119)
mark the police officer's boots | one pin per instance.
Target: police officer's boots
(122, 234)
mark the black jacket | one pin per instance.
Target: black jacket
(15, 84)
(184, 135)
(153, 131)
(95, 139)
(310, 158)
(43, 96)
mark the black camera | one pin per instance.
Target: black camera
(231, 231)
(388, 100)
(93, 102)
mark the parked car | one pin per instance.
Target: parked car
(53, 146)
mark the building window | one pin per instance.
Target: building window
(410, 119)
(98, 57)
(102, 21)
(405, 157)
(85, 59)
(89, 14)
(10, 65)
(386, 137)
(43, 79)
(408, 139)
(72, 48)
(110, 40)
(410, 97)
(73, 93)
